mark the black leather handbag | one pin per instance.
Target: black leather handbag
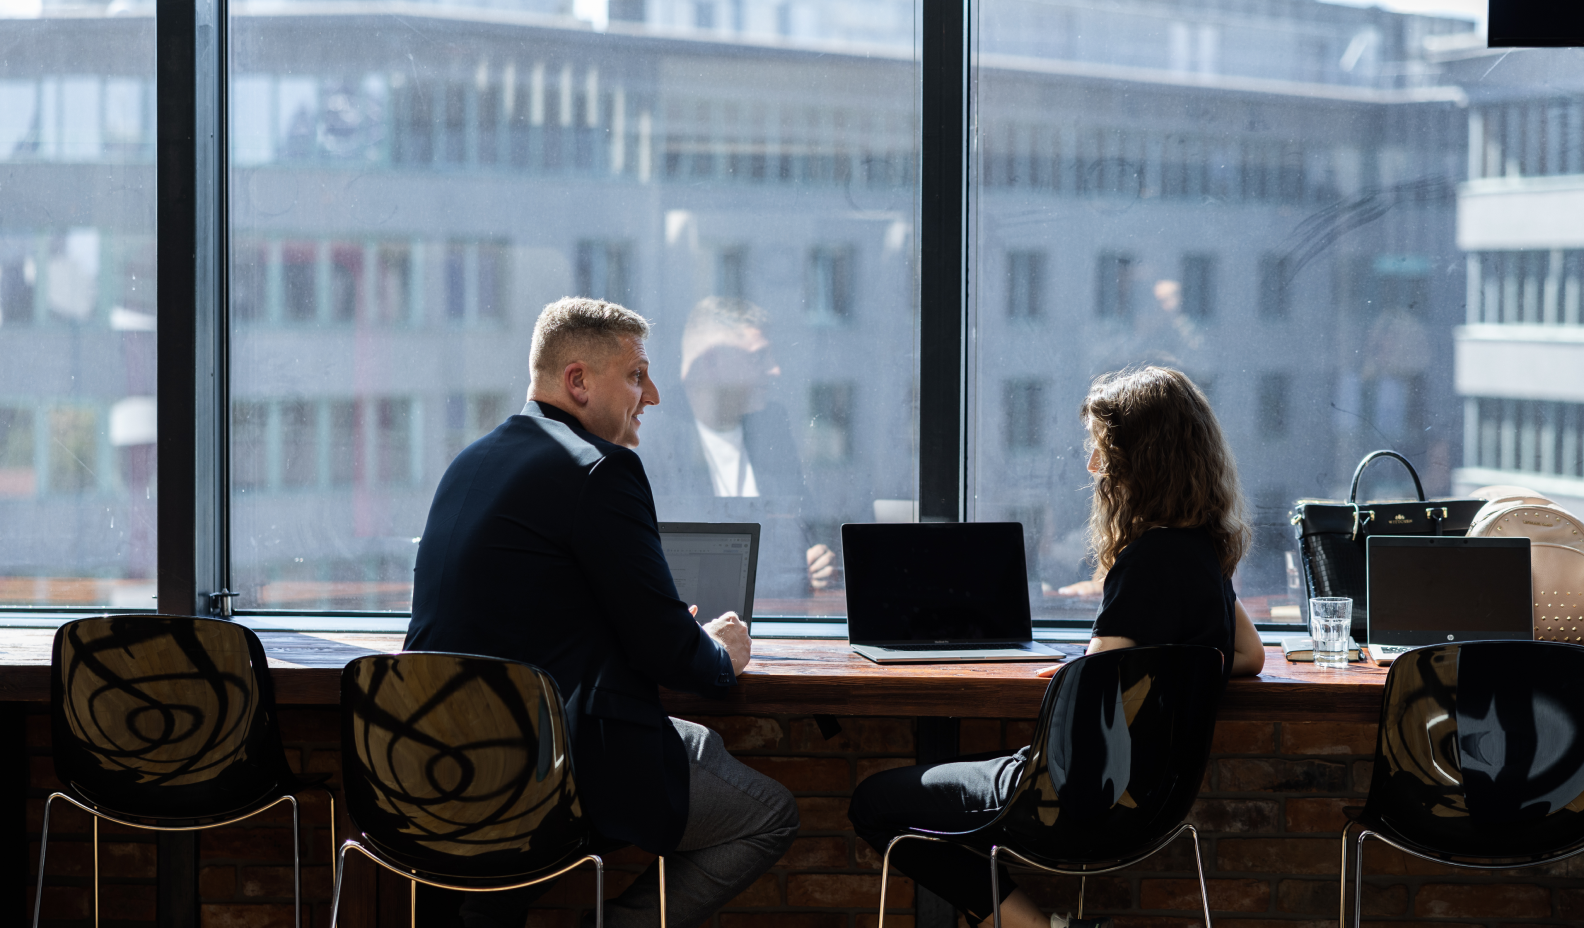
(1331, 534)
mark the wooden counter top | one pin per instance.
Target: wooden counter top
(790, 676)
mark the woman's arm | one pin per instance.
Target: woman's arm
(1096, 645)
(1109, 643)
(1248, 652)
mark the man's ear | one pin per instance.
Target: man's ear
(574, 379)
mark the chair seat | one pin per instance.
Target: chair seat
(1385, 830)
(1043, 857)
(250, 807)
(466, 881)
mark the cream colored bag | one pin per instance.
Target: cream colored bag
(1556, 555)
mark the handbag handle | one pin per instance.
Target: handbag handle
(1353, 493)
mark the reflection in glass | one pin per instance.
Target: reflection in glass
(78, 317)
(1315, 211)
(402, 209)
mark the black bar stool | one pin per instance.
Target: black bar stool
(1479, 761)
(1118, 757)
(458, 774)
(167, 723)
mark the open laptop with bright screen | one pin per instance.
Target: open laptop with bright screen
(1427, 590)
(920, 592)
(713, 565)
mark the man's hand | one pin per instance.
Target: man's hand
(1083, 588)
(821, 566)
(733, 636)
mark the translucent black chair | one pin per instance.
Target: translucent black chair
(166, 723)
(1480, 758)
(458, 774)
(1118, 757)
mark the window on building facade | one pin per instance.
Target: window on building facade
(731, 272)
(78, 313)
(830, 282)
(604, 269)
(1275, 294)
(1024, 405)
(1114, 286)
(1025, 284)
(1198, 285)
(1272, 404)
(830, 423)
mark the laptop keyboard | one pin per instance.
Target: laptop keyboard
(958, 646)
(1391, 648)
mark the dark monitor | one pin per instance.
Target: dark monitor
(936, 581)
(1424, 590)
(1536, 24)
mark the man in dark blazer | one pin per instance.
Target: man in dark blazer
(542, 546)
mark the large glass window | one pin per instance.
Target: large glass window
(77, 306)
(407, 194)
(1282, 201)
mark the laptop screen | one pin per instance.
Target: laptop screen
(713, 565)
(936, 581)
(1423, 590)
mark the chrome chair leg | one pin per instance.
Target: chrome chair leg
(296, 867)
(662, 892)
(1083, 884)
(333, 844)
(1358, 878)
(995, 886)
(96, 871)
(1204, 892)
(885, 868)
(339, 862)
(599, 891)
(412, 903)
(38, 895)
(1342, 880)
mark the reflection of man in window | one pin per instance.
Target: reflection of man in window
(732, 443)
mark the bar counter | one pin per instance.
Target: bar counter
(1293, 752)
(791, 676)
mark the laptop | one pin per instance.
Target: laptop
(713, 565)
(935, 592)
(1427, 590)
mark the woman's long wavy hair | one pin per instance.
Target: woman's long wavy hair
(1163, 461)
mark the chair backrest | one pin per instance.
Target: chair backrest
(459, 766)
(164, 717)
(1118, 757)
(1481, 750)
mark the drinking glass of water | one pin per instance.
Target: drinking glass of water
(1330, 618)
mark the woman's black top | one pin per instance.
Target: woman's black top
(1166, 587)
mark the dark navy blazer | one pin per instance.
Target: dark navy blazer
(542, 547)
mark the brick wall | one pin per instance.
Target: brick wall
(1269, 819)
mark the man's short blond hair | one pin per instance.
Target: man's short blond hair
(576, 328)
(713, 317)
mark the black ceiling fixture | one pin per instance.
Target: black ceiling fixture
(1536, 24)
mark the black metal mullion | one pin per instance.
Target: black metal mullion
(189, 100)
(942, 269)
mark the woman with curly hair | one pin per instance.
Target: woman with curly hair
(1166, 530)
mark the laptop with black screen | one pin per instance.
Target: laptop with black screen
(931, 592)
(713, 565)
(1427, 590)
